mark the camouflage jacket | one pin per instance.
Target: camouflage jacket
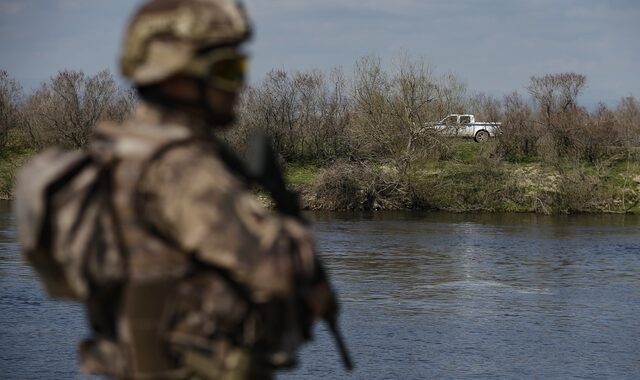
(214, 278)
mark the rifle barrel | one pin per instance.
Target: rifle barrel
(342, 347)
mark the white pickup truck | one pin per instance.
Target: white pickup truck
(466, 125)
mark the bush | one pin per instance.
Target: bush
(348, 186)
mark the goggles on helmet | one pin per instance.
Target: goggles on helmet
(224, 69)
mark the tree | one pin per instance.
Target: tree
(627, 117)
(272, 105)
(485, 107)
(372, 122)
(393, 112)
(556, 96)
(10, 96)
(518, 137)
(306, 113)
(413, 92)
(65, 110)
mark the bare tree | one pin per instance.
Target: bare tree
(395, 113)
(451, 97)
(485, 107)
(556, 93)
(271, 105)
(372, 130)
(308, 102)
(414, 91)
(307, 114)
(65, 110)
(627, 117)
(599, 133)
(519, 135)
(556, 98)
(10, 96)
(332, 130)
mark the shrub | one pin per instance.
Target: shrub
(349, 186)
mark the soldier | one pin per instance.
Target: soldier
(184, 274)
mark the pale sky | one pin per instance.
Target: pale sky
(494, 46)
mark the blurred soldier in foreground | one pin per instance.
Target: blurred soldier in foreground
(184, 274)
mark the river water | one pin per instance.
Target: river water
(429, 295)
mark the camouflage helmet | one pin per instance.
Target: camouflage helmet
(165, 37)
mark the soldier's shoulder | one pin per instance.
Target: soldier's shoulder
(137, 139)
(189, 153)
(192, 164)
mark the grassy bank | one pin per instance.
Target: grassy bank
(469, 180)
(11, 158)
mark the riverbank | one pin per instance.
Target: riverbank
(532, 187)
(11, 158)
(468, 181)
(472, 181)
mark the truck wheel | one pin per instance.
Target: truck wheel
(482, 136)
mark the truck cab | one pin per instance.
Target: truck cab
(466, 125)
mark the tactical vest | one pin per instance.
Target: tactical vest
(152, 266)
(156, 312)
(79, 219)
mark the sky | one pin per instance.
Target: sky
(494, 46)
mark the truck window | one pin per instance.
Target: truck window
(451, 120)
(465, 119)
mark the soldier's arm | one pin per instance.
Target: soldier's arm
(189, 196)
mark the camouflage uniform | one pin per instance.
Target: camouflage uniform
(208, 266)
(185, 275)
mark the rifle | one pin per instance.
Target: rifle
(263, 168)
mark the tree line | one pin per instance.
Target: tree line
(372, 133)
(380, 113)
(376, 113)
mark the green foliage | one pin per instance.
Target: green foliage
(482, 186)
(465, 149)
(476, 180)
(11, 158)
(301, 173)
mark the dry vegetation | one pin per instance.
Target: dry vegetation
(63, 111)
(372, 139)
(366, 140)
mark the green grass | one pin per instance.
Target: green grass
(466, 149)
(472, 179)
(11, 158)
(301, 173)
(622, 172)
(466, 181)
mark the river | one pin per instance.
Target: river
(424, 295)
